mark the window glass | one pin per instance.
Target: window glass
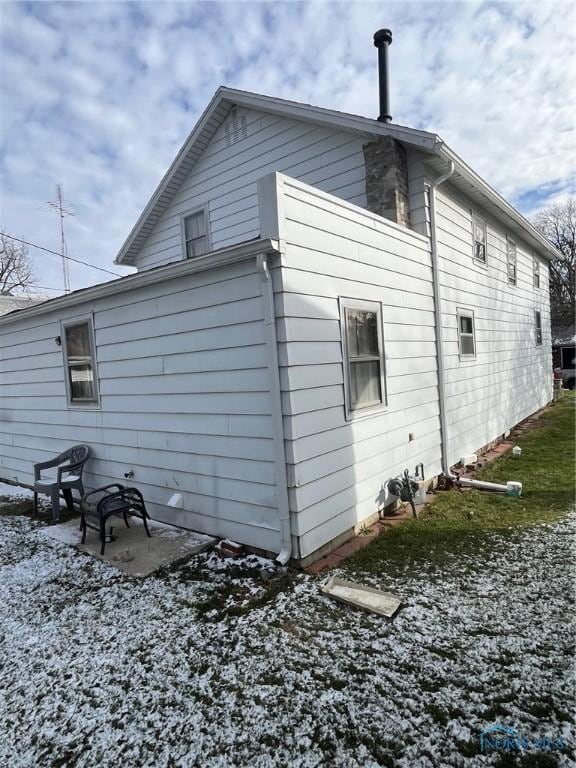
(365, 383)
(466, 334)
(364, 356)
(466, 325)
(511, 259)
(195, 234)
(362, 333)
(80, 363)
(538, 328)
(536, 273)
(479, 236)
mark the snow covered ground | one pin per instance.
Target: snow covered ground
(209, 665)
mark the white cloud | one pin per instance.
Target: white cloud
(100, 96)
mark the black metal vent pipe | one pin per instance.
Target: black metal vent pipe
(382, 39)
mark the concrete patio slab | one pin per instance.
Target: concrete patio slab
(132, 552)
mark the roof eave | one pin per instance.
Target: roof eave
(530, 233)
(231, 254)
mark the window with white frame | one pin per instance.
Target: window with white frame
(466, 333)
(80, 362)
(538, 327)
(512, 261)
(479, 243)
(363, 345)
(536, 273)
(195, 233)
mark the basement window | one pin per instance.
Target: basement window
(466, 333)
(478, 239)
(363, 345)
(511, 261)
(536, 273)
(538, 327)
(80, 362)
(195, 234)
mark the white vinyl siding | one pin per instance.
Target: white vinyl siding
(512, 261)
(509, 369)
(338, 467)
(81, 378)
(184, 400)
(466, 334)
(225, 177)
(479, 239)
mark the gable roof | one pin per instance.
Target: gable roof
(439, 156)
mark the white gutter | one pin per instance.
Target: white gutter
(438, 315)
(277, 421)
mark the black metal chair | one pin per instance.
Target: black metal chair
(119, 502)
(70, 466)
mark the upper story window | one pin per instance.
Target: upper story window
(536, 272)
(511, 261)
(80, 362)
(363, 346)
(195, 232)
(538, 327)
(479, 243)
(466, 333)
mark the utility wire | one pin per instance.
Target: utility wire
(55, 253)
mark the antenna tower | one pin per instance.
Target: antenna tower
(61, 207)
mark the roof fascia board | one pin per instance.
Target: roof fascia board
(321, 115)
(224, 256)
(531, 233)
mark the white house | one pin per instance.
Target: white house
(321, 301)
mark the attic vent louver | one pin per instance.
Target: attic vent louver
(235, 127)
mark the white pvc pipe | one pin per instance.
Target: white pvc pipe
(481, 485)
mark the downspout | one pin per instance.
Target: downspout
(438, 315)
(277, 421)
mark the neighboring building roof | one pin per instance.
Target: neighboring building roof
(10, 303)
(563, 336)
(440, 155)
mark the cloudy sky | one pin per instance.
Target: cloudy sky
(100, 96)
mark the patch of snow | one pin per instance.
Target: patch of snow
(196, 668)
(15, 491)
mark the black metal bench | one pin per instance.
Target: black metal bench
(115, 500)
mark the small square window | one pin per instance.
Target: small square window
(466, 333)
(479, 243)
(195, 228)
(80, 363)
(363, 355)
(536, 273)
(511, 260)
(538, 327)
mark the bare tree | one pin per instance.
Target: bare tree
(16, 271)
(558, 224)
